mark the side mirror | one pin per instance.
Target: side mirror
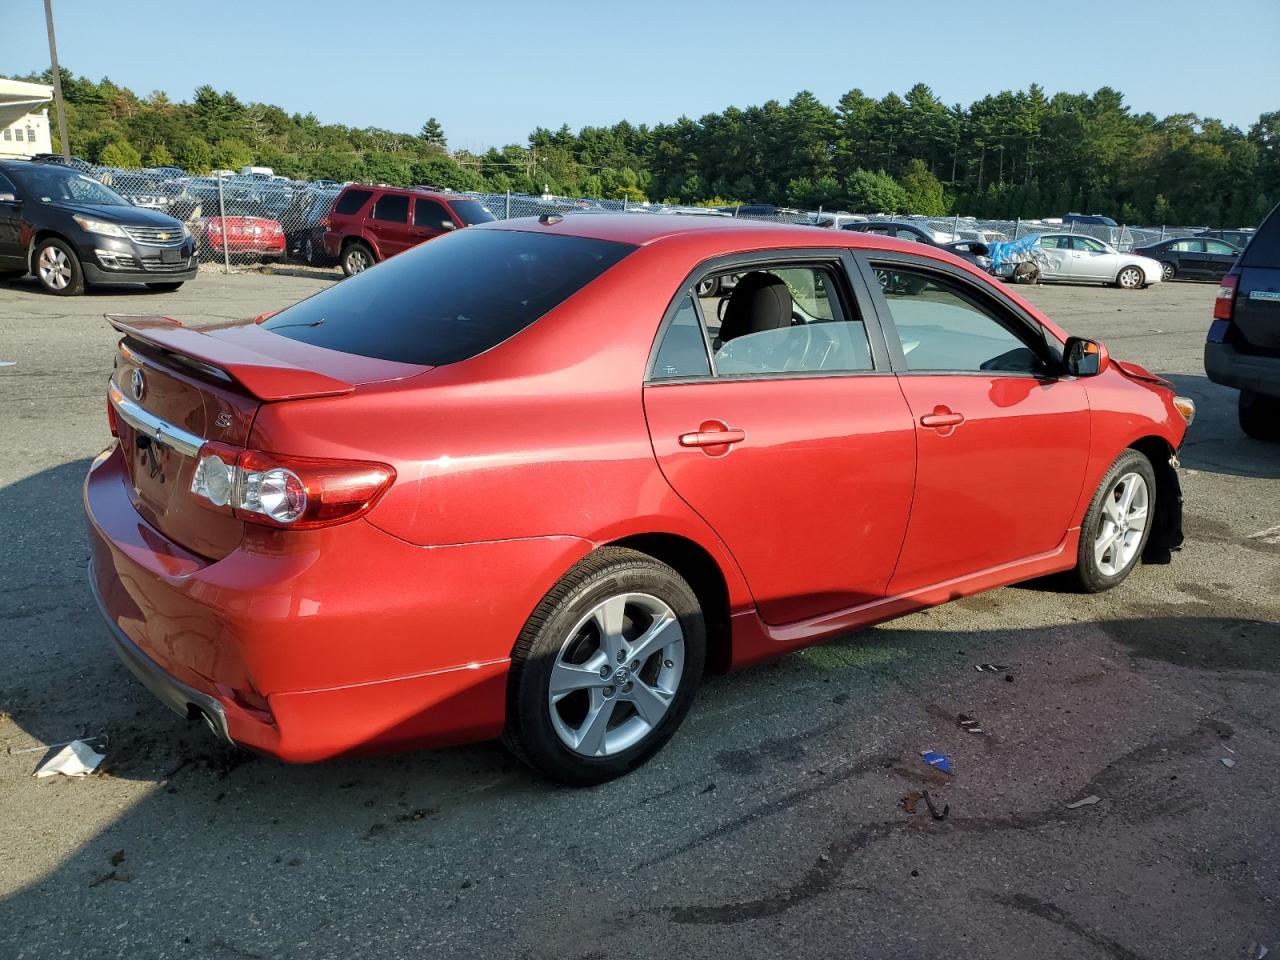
(9, 198)
(1085, 358)
(448, 225)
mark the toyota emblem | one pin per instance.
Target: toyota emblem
(138, 384)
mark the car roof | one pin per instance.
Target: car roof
(415, 191)
(734, 234)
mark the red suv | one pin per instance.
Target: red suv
(369, 224)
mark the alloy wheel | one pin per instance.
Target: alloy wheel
(54, 268)
(1166, 271)
(356, 260)
(1124, 519)
(616, 675)
(1130, 278)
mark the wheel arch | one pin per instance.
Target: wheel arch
(1166, 530)
(362, 240)
(703, 573)
(39, 237)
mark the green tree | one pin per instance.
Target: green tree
(194, 155)
(924, 191)
(159, 156)
(432, 133)
(874, 192)
(232, 154)
(120, 153)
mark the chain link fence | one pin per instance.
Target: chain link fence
(255, 217)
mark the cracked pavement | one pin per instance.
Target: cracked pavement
(771, 825)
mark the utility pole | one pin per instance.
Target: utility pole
(57, 83)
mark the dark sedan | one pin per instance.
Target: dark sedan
(896, 228)
(1191, 258)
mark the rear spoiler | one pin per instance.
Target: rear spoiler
(262, 376)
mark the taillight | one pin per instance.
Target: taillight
(1224, 303)
(111, 419)
(297, 493)
(324, 222)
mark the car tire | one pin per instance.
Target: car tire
(1259, 415)
(57, 268)
(309, 252)
(1167, 270)
(356, 258)
(571, 735)
(708, 287)
(1131, 278)
(1117, 524)
(1026, 273)
(165, 287)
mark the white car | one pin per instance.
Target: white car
(1075, 258)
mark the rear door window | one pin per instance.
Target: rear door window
(351, 201)
(392, 208)
(450, 299)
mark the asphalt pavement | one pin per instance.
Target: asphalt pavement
(772, 825)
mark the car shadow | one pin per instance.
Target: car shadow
(1215, 443)
(237, 855)
(29, 284)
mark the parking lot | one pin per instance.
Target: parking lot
(770, 826)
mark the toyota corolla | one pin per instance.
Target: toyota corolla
(526, 482)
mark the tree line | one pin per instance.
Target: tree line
(1011, 154)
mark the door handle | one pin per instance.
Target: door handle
(713, 434)
(941, 418)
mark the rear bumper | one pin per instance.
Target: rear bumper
(175, 695)
(1228, 366)
(332, 642)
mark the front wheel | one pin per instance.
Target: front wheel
(1026, 273)
(605, 669)
(58, 268)
(1130, 278)
(1259, 415)
(1117, 524)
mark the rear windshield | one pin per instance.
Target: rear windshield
(451, 298)
(471, 211)
(1264, 247)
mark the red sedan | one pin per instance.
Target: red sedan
(524, 482)
(242, 236)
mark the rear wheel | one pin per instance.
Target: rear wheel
(58, 268)
(605, 669)
(1117, 524)
(356, 258)
(1259, 415)
(1130, 278)
(1167, 270)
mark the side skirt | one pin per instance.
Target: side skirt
(754, 640)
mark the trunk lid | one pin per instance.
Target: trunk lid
(174, 388)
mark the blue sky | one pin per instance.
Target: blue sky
(492, 72)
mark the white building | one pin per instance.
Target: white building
(24, 119)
